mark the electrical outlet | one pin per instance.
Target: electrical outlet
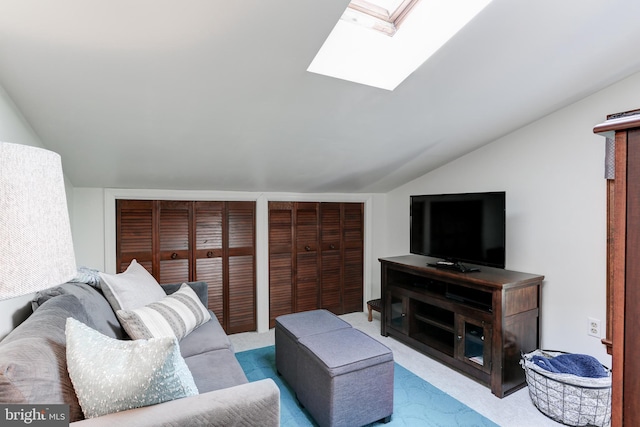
(593, 328)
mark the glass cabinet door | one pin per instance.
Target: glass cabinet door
(397, 312)
(474, 342)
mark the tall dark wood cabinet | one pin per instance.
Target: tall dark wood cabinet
(210, 241)
(623, 267)
(315, 257)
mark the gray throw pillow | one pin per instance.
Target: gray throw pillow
(103, 318)
(133, 288)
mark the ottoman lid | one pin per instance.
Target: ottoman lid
(345, 350)
(310, 322)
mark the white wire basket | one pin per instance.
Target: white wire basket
(567, 398)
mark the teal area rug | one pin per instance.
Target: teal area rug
(415, 401)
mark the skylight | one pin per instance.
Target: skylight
(358, 50)
(380, 15)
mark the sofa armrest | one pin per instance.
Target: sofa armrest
(200, 288)
(252, 404)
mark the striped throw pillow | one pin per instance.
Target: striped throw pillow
(175, 315)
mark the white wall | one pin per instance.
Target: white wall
(94, 229)
(552, 172)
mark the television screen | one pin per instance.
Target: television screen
(466, 227)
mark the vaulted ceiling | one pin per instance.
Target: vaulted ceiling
(205, 94)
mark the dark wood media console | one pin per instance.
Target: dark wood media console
(478, 323)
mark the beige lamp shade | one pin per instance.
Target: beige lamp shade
(36, 248)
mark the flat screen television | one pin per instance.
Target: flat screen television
(465, 227)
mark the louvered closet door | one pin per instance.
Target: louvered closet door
(281, 260)
(353, 257)
(241, 267)
(331, 257)
(209, 252)
(307, 272)
(179, 241)
(315, 257)
(174, 233)
(134, 233)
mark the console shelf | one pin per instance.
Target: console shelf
(437, 324)
(478, 322)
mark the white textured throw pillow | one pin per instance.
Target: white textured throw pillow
(110, 375)
(175, 315)
(133, 288)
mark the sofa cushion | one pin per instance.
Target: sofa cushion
(111, 375)
(133, 288)
(33, 367)
(103, 319)
(216, 370)
(207, 337)
(175, 315)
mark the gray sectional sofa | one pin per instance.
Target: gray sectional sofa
(33, 367)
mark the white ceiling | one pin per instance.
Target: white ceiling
(204, 94)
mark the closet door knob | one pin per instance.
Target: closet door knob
(307, 248)
(332, 246)
(174, 255)
(209, 254)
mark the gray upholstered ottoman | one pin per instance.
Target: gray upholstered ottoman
(290, 328)
(345, 378)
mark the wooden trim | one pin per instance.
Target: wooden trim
(618, 124)
(192, 241)
(611, 187)
(619, 255)
(155, 242)
(225, 264)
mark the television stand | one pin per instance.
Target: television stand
(453, 265)
(478, 324)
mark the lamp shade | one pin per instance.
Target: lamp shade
(36, 248)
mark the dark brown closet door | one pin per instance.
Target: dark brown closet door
(134, 231)
(306, 269)
(174, 234)
(180, 241)
(241, 267)
(209, 252)
(353, 257)
(315, 257)
(331, 257)
(281, 260)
